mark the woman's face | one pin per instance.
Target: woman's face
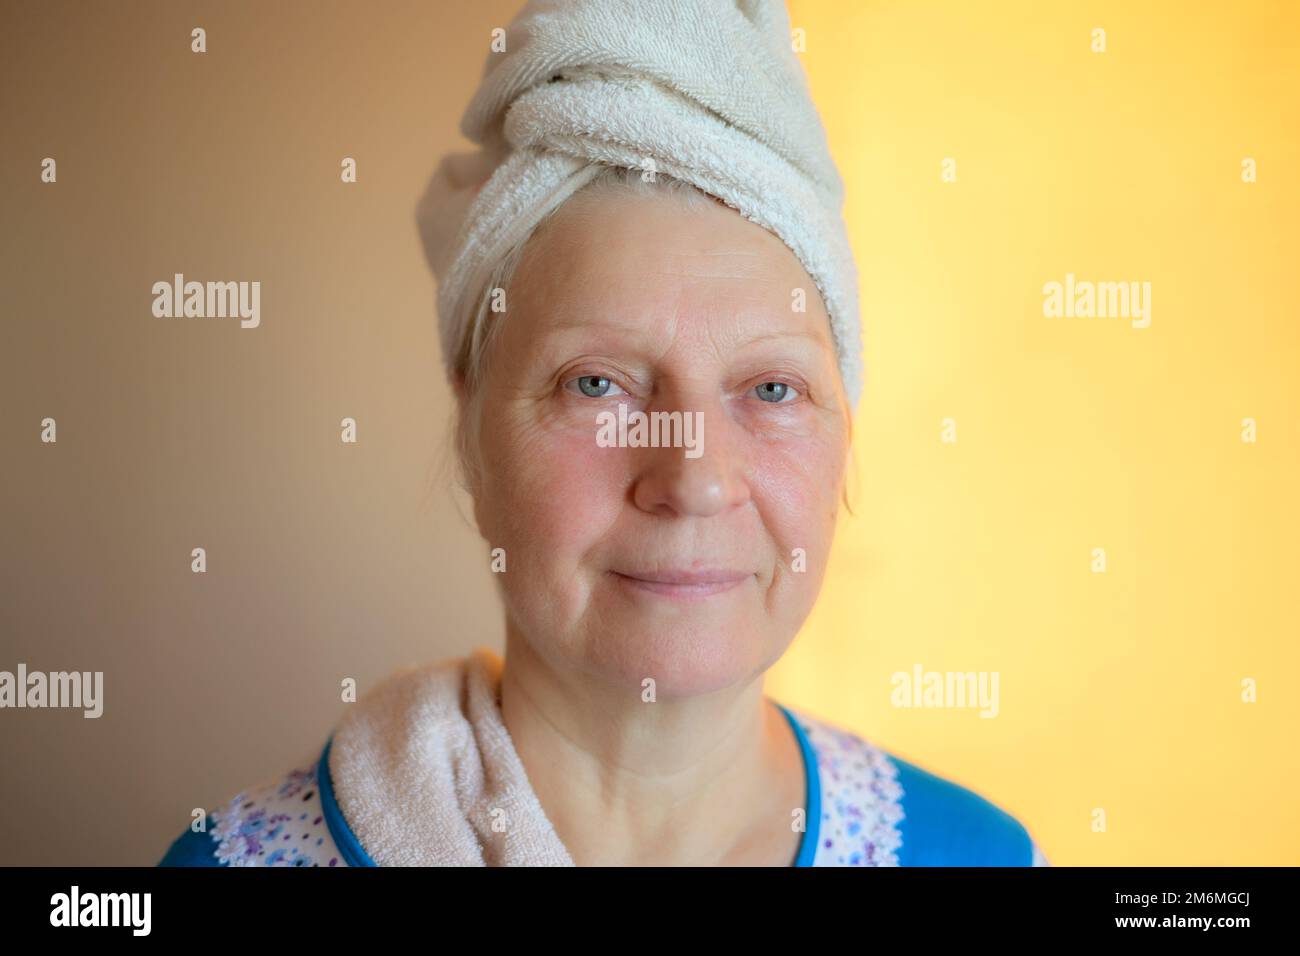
(694, 566)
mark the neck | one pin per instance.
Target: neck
(697, 781)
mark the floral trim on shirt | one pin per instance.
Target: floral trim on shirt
(861, 800)
(276, 824)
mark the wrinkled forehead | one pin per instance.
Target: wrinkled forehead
(648, 267)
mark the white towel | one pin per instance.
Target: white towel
(709, 91)
(426, 774)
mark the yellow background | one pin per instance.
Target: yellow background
(1122, 690)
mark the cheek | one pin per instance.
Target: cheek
(549, 495)
(796, 486)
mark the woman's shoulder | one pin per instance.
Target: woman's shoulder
(280, 822)
(876, 808)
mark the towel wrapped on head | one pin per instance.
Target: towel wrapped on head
(706, 91)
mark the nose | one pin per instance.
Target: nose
(671, 483)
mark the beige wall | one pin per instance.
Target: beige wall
(324, 560)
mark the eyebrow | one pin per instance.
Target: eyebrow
(790, 334)
(632, 327)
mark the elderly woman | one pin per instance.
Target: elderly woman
(650, 235)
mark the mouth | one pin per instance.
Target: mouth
(683, 585)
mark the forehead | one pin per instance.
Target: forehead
(634, 262)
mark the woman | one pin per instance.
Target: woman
(648, 317)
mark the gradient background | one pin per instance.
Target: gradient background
(1119, 691)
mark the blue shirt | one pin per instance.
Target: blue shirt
(864, 807)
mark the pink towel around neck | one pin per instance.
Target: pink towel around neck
(426, 774)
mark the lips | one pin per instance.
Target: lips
(684, 583)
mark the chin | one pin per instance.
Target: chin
(687, 653)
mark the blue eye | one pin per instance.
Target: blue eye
(772, 392)
(593, 386)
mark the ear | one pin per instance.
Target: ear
(459, 388)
